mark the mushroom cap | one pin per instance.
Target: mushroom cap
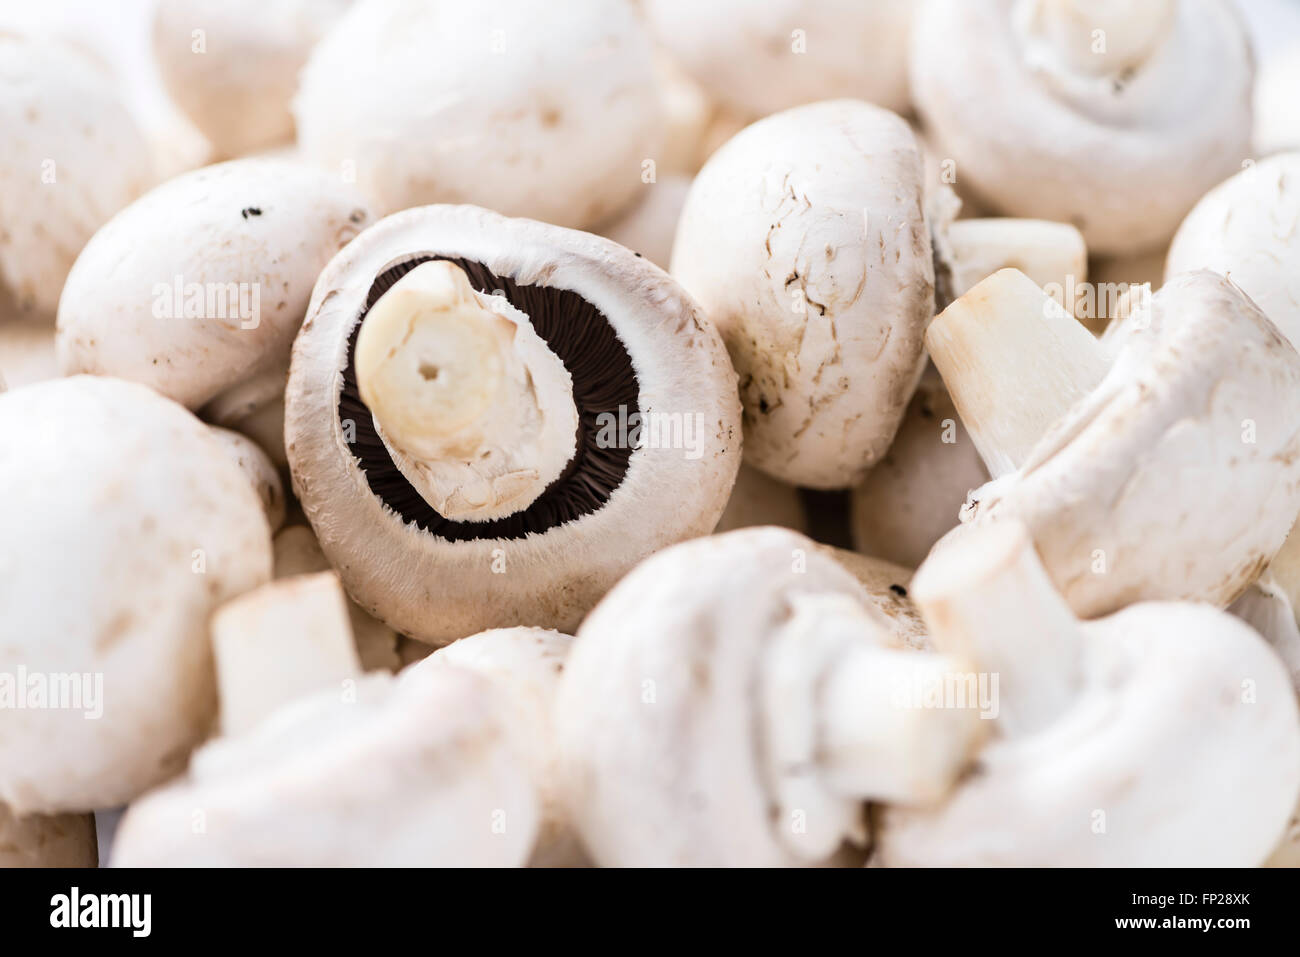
(260, 472)
(532, 109)
(1248, 229)
(439, 580)
(419, 769)
(38, 840)
(73, 157)
(1178, 477)
(915, 493)
(747, 55)
(237, 87)
(127, 523)
(649, 226)
(243, 241)
(661, 719)
(1183, 749)
(886, 585)
(1121, 157)
(805, 240)
(526, 664)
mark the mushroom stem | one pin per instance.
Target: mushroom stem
(1099, 37)
(477, 411)
(1014, 362)
(280, 642)
(987, 598)
(1053, 255)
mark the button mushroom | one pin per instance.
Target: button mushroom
(758, 58)
(735, 700)
(232, 65)
(72, 158)
(460, 496)
(198, 288)
(1114, 737)
(531, 109)
(134, 523)
(63, 840)
(805, 239)
(1106, 461)
(259, 471)
(1101, 115)
(424, 768)
(1248, 229)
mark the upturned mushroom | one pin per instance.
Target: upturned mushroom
(1248, 229)
(1105, 455)
(758, 58)
(321, 765)
(125, 523)
(489, 420)
(806, 240)
(1113, 738)
(542, 110)
(37, 840)
(913, 495)
(232, 65)
(198, 288)
(526, 665)
(73, 157)
(735, 700)
(1104, 115)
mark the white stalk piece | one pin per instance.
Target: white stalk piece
(1107, 452)
(736, 700)
(477, 411)
(281, 642)
(1113, 737)
(1051, 254)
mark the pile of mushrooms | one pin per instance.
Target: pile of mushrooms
(615, 433)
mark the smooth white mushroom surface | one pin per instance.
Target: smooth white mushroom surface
(761, 57)
(232, 65)
(462, 413)
(545, 110)
(126, 523)
(259, 471)
(736, 699)
(1110, 453)
(73, 156)
(1113, 117)
(805, 241)
(1248, 229)
(1114, 739)
(37, 840)
(198, 288)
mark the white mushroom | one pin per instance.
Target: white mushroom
(914, 494)
(72, 158)
(232, 65)
(519, 326)
(1114, 737)
(259, 471)
(1108, 457)
(424, 768)
(1113, 116)
(758, 58)
(297, 552)
(806, 240)
(1248, 229)
(526, 664)
(694, 125)
(198, 288)
(63, 840)
(125, 523)
(649, 226)
(736, 699)
(533, 109)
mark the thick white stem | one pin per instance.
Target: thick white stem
(476, 409)
(986, 598)
(1099, 37)
(279, 642)
(1053, 255)
(1014, 362)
